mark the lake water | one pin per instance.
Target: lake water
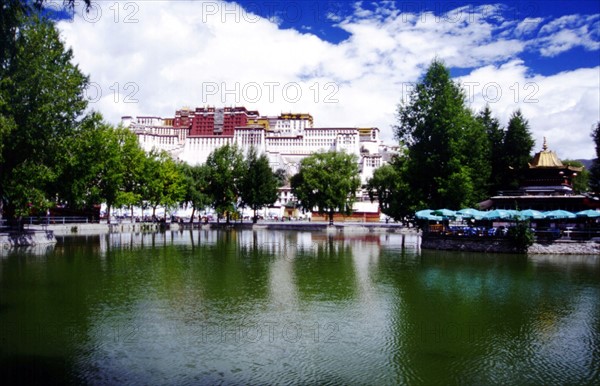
(269, 307)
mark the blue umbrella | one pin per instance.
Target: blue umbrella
(471, 213)
(588, 213)
(423, 214)
(530, 214)
(427, 214)
(559, 214)
(444, 213)
(496, 214)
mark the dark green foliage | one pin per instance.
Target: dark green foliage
(164, 184)
(41, 103)
(101, 164)
(582, 179)
(447, 147)
(521, 235)
(226, 168)
(518, 145)
(259, 184)
(196, 187)
(327, 181)
(391, 190)
(282, 177)
(495, 136)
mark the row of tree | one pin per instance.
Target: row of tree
(453, 157)
(55, 153)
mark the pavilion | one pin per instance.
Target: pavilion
(548, 185)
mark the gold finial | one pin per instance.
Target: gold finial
(545, 145)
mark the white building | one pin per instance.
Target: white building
(286, 139)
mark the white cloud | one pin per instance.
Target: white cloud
(567, 32)
(562, 107)
(528, 26)
(198, 53)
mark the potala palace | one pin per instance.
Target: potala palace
(286, 139)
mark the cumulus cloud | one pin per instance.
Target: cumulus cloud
(562, 107)
(151, 58)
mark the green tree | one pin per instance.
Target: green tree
(517, 148)
(391, 191)
(13, 13)
(226, 168)
(282, 177)
(521, 236)
(582, 179)
(495, 137)
(196, 187)
(594, 182)
(164, 183)
(327, 181)
(447, 147)
(259, 184)
(100, 164)
(41, 104)
(132, 158)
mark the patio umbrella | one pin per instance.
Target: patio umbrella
(496, 214)
(512, 212)
(444, 213)
(530, 214)
(423, 214)
(559, 214)
(471, 213)
(427, 214)
(588, 213)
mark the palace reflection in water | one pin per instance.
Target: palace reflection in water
(264, 307)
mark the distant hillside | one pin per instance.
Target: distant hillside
(586, 162)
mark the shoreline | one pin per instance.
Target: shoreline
(46, 235)
(101, 228)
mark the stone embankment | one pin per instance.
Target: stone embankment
(566, 247)
(467, 244)
(499, 245)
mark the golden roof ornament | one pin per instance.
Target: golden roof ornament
(548, 159)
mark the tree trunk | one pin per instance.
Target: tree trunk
(132, 219)
(107, 214)
(255, 218)
(192, 216)
(154, 213)
(330, 217)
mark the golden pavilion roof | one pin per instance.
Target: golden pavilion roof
(548, 159)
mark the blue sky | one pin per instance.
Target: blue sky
(349, 64)
(320, 18)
